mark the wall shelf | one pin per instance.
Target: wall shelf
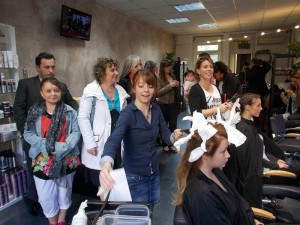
(274, 75)
(13, 177)
(13, 201)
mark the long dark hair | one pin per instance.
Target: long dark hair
(163, 64)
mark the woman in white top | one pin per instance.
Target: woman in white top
(204, 97)
(100, 106)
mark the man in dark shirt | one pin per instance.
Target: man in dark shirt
(256, 83)
(256, 78)
(231, 84)
(28, 93)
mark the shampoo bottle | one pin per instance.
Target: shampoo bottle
(80, 218)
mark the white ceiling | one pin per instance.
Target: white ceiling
(232, 16)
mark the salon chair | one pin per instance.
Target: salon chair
(280, 191)
(288, 139)
(181, 218)
(293, 120)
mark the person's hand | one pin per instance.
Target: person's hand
(257, 222)
(224, 107)
(106, 181)
(229, 105)
(282, 95)
(92, 151)
(282, 164)
(175, 83)
(177, 134)
(289, 92)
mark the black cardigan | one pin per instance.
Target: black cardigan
(196, 99)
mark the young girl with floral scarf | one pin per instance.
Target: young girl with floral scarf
(53, 133)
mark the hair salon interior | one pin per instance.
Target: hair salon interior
(232, 31)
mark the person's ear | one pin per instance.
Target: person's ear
(204, 156)
(41, 93)
(247, 107)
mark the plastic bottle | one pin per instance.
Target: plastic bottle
(80, 218)
(3, 83)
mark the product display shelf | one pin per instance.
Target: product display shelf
(13, 201)
(13, 178)
(275, 73)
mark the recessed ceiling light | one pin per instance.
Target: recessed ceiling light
(208, 25)
(190, 7)
(262, 33)
(208, 42)
(245, 36)
(297, 26)
(178, 20)
(230, 39)
(278, 30)
(219, 40)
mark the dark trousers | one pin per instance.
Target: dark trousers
(170, 112)
(31, 194)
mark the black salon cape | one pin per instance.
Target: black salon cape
(250, 162)
(206, 203)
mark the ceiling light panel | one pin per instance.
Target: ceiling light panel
(208, 25)
(190, 7)
(178, 20)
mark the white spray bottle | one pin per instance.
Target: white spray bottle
(80, 218)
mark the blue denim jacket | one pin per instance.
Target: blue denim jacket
(37, 143)
(139, 139)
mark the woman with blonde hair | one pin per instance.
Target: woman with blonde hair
(131, 65)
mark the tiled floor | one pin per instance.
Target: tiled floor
(162, 213)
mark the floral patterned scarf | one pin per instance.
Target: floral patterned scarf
(57, 170)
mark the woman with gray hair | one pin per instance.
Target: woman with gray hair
(131, 65)
(150, 65)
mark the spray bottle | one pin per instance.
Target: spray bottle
(80, 218)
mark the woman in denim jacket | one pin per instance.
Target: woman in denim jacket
(53, 133)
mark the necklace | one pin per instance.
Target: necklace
(110, 91)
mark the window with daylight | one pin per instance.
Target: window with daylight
(212, 49)
(209, 44)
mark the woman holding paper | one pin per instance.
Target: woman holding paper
(138, 126)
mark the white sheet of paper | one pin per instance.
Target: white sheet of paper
(120, 192)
